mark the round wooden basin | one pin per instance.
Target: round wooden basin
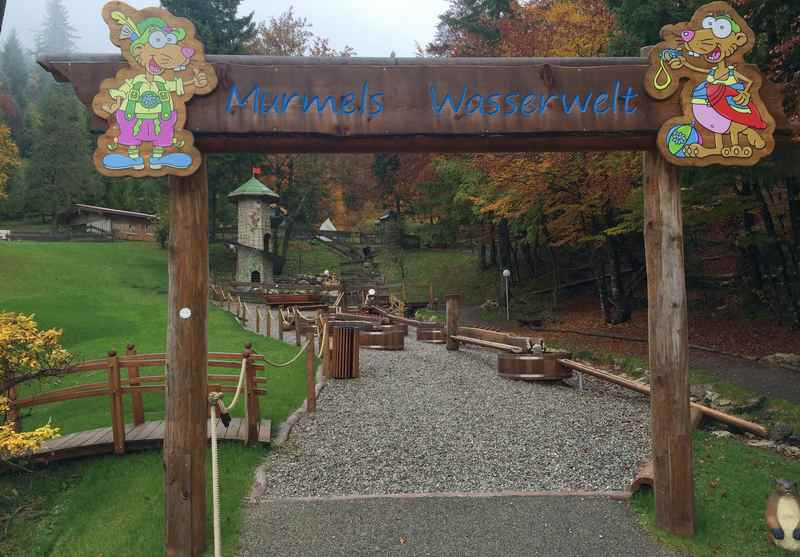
(383, 337)
(533, 367)
(432, 335)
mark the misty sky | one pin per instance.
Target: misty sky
(373, 28)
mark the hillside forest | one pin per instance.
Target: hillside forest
(542, 215)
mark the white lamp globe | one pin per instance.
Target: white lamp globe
(506, 273)
(371, 292)
(326, 272)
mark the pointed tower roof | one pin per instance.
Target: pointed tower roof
(253, 188)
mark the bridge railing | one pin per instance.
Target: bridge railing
(125, 380)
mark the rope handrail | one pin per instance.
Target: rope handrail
(290, 362)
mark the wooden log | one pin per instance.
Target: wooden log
(253, 408)
(117, 411)
(187, 355)
(311, 382)
(707, 411)
(668, 346)
(485, 343)
(452, 302)
(137, 406)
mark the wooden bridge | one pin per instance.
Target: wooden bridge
(125, 381)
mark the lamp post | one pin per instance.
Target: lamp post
(506, 275)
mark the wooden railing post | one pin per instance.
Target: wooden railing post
(297, 333)
(117, 412)
(252, 407)
(258, 321)
(326, 351)
(668, 347)
(13, 412)
(269, 321)
(311, 382)
(280, 324)
(452, 301)
(136, 396)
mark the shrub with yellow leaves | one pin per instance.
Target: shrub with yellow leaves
(26, 354)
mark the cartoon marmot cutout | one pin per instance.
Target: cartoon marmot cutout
(783, 516)
(725, 121)
(145, 104)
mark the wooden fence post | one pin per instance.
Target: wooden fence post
(311, 380)
(280, 324)
(137, 406)
(117, 412)
(297, 333)
(253, 409)
(186, 417)
(452, 301)
(326, 351)
(258, 322)
(668, 347)
(269, 321)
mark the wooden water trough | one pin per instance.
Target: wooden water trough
(536, 366)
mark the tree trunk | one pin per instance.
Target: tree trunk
(620, 310)
(556, 277)
(602, 291)
(769, 224)
(504, 241)
(482, 263)
(493, 248)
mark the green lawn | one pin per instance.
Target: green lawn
(732, 483)
(105, 296)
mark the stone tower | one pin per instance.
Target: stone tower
(256, 209)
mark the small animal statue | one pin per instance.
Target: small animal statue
(783, 516)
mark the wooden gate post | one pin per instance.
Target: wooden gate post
(452, 301)
(669, 347)
(186, 429)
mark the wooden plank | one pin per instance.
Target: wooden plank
(487, 344)
(398, 103)
(669, 347)
(187, 357)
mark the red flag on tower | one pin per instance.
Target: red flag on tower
(256, 170)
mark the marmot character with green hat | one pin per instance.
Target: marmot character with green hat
(143, 105)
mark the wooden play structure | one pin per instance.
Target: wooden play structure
(401, 105)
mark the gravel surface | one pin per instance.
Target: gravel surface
(428, 420)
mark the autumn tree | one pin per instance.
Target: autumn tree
(9, 158)
(26, 354)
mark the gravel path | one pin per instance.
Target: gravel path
(452, 527)
(428, 420)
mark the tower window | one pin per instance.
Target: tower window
(255, 276)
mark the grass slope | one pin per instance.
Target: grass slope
(105, 296)
(732, 483)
